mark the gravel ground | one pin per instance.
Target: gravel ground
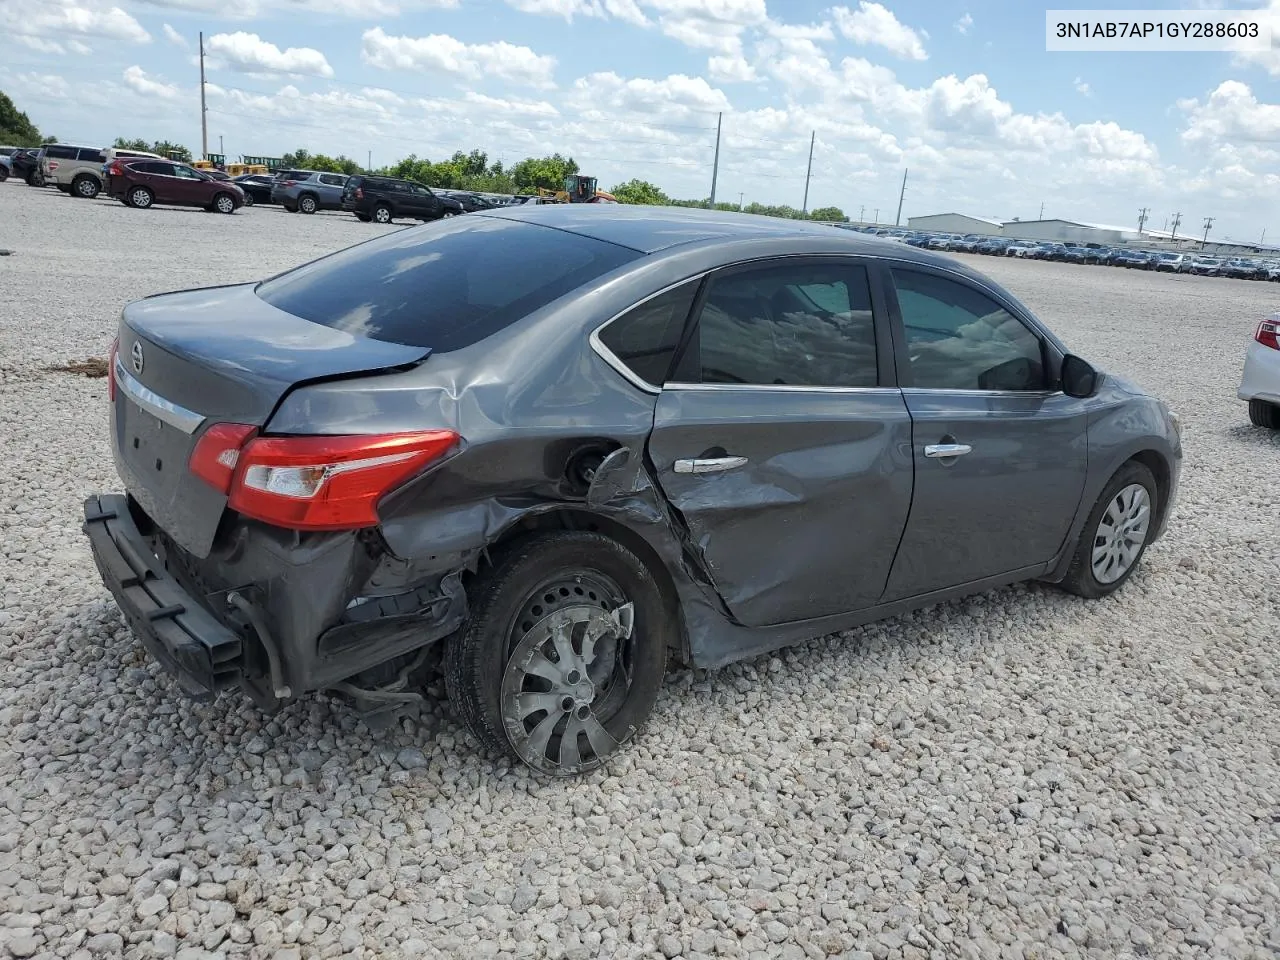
(1022, 774)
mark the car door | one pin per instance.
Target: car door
(782, 442)
(426, 205)
(190, 188)
(1000, 452)
(331, 190)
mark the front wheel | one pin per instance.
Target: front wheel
(224, 203)
(1116, 534)
(564, 654)
(1264, 414)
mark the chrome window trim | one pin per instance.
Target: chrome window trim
(781, 388)
(961, 392)
(188, 421)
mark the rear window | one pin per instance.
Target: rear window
(444, 285)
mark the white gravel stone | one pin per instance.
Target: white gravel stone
(1013, 775)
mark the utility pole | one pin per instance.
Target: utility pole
(204, 118)
(1142, 218)
(1263, 238)
(1208, 222)
(877, 215)
(1177, 219)
(221, 149)
(861, 211)
(897, 221)
(740, 194)
(805, 206)
(368, 164)
(715, 167)
(1041, 209)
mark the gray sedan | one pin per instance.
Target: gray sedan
(548, 448)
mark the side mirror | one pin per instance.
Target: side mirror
(1079, 379)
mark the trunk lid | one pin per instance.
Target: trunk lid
(188, 360)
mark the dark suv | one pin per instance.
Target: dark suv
(382, 199)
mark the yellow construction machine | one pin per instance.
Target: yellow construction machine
(578, 189)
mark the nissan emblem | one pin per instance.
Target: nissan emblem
(137, 357)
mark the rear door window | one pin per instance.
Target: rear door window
(802, 325)
(58, 152)
(446, 286)
(332, 179)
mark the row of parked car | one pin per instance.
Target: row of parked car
(1244, 268)
(141, 180)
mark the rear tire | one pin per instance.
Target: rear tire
(248, 199)
(382, 213)
(308, 204)
(4, 174)
(140, 198)
(532, 612)
(1115, 535)
(85, 186)
(1264, 414)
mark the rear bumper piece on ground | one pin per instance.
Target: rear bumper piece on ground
(203, 655)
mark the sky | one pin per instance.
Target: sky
(961, 94)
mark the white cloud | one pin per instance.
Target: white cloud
(249, 53)
(40, 44)
(1082, 87)
(1268, 60)
(672, 97)
(709, 24)
(964, 24)
(57, 20)
(875, 25)
(627, 11)
(77, 46)
(1231, 112)
(445, 54)
(136, 79)
(730, 70)
(174, 37)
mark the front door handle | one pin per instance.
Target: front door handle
(938, 450)
(709, 464)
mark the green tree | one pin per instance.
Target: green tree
(302, 159)
(640, 191)
(16, 128)
(545, 172)
(829, 213)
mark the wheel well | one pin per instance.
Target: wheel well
(84, 173)
(1159, 468)
(569, 519)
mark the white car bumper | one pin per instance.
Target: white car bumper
(1261, 380)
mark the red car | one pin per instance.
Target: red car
(143, 183)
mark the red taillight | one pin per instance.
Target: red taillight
(115, 170)
(1269, 333)
(289, 183)
(111, 369)
(313, 483)
(218, 451)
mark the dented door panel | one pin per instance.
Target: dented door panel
(808, 525)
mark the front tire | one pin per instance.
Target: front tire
(140, 198)
(1264, 414)
(224, 203)
(564, 654)
(307, 204)
(1116, 534)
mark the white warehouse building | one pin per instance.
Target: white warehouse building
(960, 223)
(1076, 232)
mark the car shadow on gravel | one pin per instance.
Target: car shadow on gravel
(1255, 436)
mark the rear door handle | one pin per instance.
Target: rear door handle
(709, 464)
(938, 450)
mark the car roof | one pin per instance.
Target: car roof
(650, 229)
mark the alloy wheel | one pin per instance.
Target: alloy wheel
(1121, 533)
(225, 204)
